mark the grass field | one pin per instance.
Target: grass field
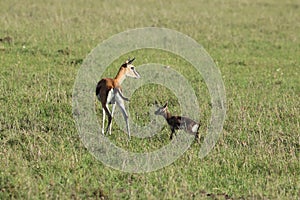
(256, 46)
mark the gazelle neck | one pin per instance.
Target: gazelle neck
(167, 115)
(120, 77)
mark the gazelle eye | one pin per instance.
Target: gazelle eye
(132, 68)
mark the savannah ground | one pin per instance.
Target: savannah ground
(256, 46)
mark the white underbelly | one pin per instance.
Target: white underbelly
(111, 97)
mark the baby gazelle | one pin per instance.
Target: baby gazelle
(178, 122)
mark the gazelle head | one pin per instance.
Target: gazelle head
(162, 110)
(130, 69)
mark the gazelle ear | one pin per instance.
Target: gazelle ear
(157, 104)
(131, 60)
(166, 105)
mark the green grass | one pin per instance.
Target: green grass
(256, 46)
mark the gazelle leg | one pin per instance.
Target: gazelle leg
(103, 120)
(109, 117)
(172, 133)
(127, 127)
(112, 115)
(197, 137)
(125, 115)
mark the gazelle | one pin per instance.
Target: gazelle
(178, 122)
(109, 91)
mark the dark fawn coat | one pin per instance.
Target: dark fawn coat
(178, 122)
